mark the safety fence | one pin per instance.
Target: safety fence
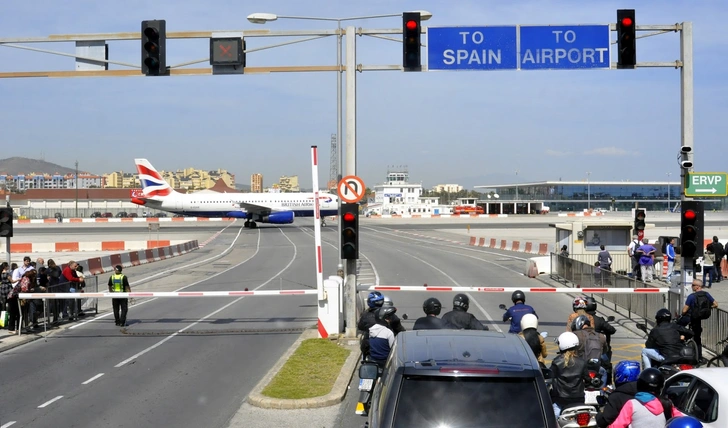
(581, 277)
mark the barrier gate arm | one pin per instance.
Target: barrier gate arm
(512, 289)
(163, 294)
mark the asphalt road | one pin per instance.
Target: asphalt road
(192, 362)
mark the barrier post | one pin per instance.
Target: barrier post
(330, 315)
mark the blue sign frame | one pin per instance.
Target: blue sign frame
(567, 47)
(472, 48)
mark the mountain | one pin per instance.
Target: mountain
(20, 165)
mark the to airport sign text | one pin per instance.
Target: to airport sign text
(706, 184)
(518, 47)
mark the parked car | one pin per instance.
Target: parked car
(701, 393)
(133, 215)
(107, 215)
(96, 214)
(461, 378)
(122, 214)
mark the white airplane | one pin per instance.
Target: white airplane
(274, 208)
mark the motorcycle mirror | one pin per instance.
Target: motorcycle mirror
(547, 374)
(368, 371)
(544, 334)
(641, 326)
(610, 318)
(404, 316)
(502, 306)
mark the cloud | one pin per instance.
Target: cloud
(557, 153)
(610, 151)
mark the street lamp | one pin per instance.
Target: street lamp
(588, 191)
(668, 191)
(262, 18)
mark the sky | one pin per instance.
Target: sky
(465, 127)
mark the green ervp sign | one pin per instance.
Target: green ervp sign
(706, 184)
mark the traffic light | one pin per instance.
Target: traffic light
(411, 31)
(6, 222)
(639, 223)
(154, 48)
(626, 39)
(691, 229)
(349, 231)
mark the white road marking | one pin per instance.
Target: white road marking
(50, 402)
(295, 253)
(227, 250)
(8, 424)
(92, 379)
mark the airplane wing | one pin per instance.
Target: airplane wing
(257, 209)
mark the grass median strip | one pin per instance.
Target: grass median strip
(310, 372)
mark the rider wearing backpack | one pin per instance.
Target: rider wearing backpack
(698, 306)
(592, 345)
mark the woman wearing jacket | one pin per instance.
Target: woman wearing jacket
(529, 331)
(569, 372)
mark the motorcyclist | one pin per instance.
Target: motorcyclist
(395, 324)
(592, 345)
(529, 331)
(625, 380)
(684, 422)
(569, 373)
(460, 318)
(381, 337)
(579, 307)
(518, 310)
(665, 340)
(647, 408)
(602, 326)
(430, 321)
(375, 300)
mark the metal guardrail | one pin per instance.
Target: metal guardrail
(578, 274)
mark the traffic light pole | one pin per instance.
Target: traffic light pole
(686, 126)
(7, 240)
(350, 283)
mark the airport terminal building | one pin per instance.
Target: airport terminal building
(581, 195)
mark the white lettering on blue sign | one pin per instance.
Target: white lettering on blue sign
(463, 56)
(560, 55)
(565, 47)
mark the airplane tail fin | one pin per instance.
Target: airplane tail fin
(153, 185)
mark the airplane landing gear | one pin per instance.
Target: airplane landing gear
(253, 225)
(247, 223)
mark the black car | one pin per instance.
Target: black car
(461, 378)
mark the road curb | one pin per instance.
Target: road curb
(336, 396)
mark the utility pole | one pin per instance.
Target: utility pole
(76, 181)
(686, 149)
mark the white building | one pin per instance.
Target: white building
(447, 188)
(398, 196)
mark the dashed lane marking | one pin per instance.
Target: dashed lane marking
(92, 379)
(49, 402)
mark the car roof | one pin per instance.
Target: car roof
(464, 346)
(716, 377)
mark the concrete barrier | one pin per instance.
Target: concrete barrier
(105, 264)
(536, 266)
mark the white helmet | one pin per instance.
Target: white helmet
(529, 321)
(567, 340)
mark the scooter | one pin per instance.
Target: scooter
(594, 388)
(369, 373)
(578, 417)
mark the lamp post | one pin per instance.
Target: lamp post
(588, 191)
(262, 18)
(668, 191)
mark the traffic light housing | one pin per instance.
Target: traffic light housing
(411, 50)
(626, 39)
(154, 48)
(6, 222)
(639, 223)
(349, 231)
(691, 229)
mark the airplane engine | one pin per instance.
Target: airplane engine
(236, 214)
(284, 217)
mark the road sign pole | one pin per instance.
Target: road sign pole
(686, 140)
(350, 283)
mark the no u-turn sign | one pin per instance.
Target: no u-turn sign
(351, 189)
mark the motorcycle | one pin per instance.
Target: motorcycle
(581, 416)
(688, 358)
(369, 373)
(594, 388)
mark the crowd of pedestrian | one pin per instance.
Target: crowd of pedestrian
(37, 277)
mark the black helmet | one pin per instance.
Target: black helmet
(651, 380)
(518, 295)
(461, 301)
(385, 313)
(432, 306)
(580, 322)
(591, 304)
(663, 315)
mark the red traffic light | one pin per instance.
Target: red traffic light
(690, 215)
(627, 22)
(349, 217)
(411, 25)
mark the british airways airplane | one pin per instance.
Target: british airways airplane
(274, 208)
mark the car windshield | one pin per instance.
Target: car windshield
(464, 402)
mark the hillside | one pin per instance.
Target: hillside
(20, 165)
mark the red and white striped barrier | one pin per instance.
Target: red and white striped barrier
(439, 216)
(119, 220)
(512, 289)
(165, 294)
(582, 214)
(77, 246)
(529, 247)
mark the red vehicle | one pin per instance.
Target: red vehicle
(468, 209)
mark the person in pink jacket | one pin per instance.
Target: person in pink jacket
(647, 409)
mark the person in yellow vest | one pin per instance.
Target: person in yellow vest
(119, 284)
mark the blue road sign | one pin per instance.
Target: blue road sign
(471, 48)
(564, 47)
